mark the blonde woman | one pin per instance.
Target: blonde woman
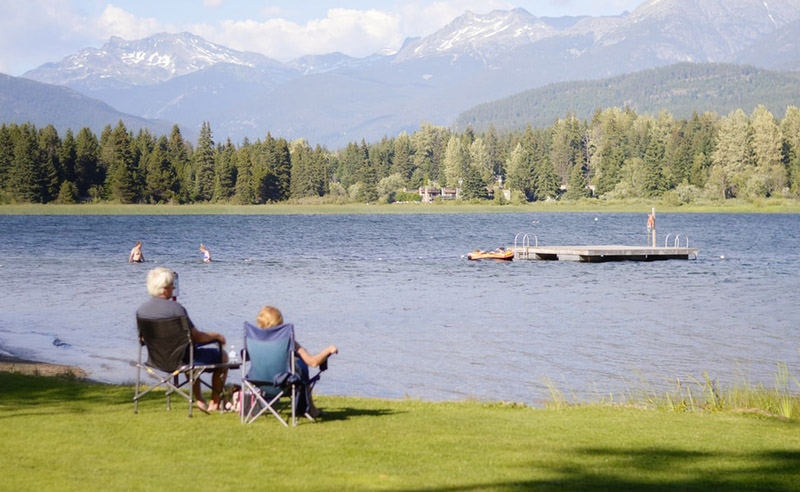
(270, 317)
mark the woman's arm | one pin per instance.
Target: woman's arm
(316, 360)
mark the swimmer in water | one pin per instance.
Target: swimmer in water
(136, 255)
(206, 254)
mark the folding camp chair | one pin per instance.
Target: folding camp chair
(269, 372)
(167, 342)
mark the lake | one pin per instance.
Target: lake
(410, 315)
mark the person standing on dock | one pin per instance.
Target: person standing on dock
(651, 227)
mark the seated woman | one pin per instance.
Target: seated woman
(270, 317)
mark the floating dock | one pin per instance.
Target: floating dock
(598, 254)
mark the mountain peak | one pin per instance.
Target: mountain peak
(480, 35)
(147, 61)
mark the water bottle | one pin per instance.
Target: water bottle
(232, 355)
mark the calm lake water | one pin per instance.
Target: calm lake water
(410, 314)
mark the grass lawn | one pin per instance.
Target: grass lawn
(772, 205)
(62, 434)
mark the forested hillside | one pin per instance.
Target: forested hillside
(618, 153)
(681, 89)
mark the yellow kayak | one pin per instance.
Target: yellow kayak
(491, 255)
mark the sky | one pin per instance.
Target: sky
(34, 32)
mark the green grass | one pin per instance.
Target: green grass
(61, 434)
(774, 205)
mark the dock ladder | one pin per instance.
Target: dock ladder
(523, 251)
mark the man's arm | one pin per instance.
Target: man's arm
(206, 336)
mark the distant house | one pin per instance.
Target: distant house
(429, 193)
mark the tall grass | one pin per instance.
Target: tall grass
(703, 394)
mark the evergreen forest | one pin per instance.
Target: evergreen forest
(616, 154)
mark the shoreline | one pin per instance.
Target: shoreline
(774, 205)
(12, 364)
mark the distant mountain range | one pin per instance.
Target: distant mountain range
(335, 99)
(27, 101)
(682, 89)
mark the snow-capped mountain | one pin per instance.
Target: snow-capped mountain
(333, 99)
(483, 36)
(148, 61)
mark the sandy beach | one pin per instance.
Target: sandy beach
(14, 364)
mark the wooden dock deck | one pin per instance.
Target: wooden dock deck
(597, 254)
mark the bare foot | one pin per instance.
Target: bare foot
(202, 405)
(213, 407)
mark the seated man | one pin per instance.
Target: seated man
(160, 285)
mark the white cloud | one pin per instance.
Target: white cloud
(47, 30)
(353, 32)
(115, 21)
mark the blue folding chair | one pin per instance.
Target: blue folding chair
(269, 372)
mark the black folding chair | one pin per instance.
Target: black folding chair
(167, 341)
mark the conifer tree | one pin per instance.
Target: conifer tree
(790, 129)
(67, 155)
(244, 190)
(50, 171)
(6, 156)
(652, 177)
(88, 172)
(576, 189)
(161, 182)
(25, 180)
(120, 178)
(179, 156)
(402, 159)
(224, 186)
(204, 164)
(473, 186)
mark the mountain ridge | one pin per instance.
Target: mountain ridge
(475, 59)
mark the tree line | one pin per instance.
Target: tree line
(616, 154)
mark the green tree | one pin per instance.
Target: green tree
(481, 160)
(565, 147)
(25, 180)
(245, 187)
(402, 162)
(653, 180)
(518, 170)
(474, 187)
(180, 157)
(790, 129)
(768, 150)
(225, 172)
(733, 157)
(88, 172)
(48, 162)
(118, 151)
(67, 156)
(456, 162)
(68, 193)
(161, 183)
(204, 164)
(6, 156)
(576, 189)
(610, 132)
